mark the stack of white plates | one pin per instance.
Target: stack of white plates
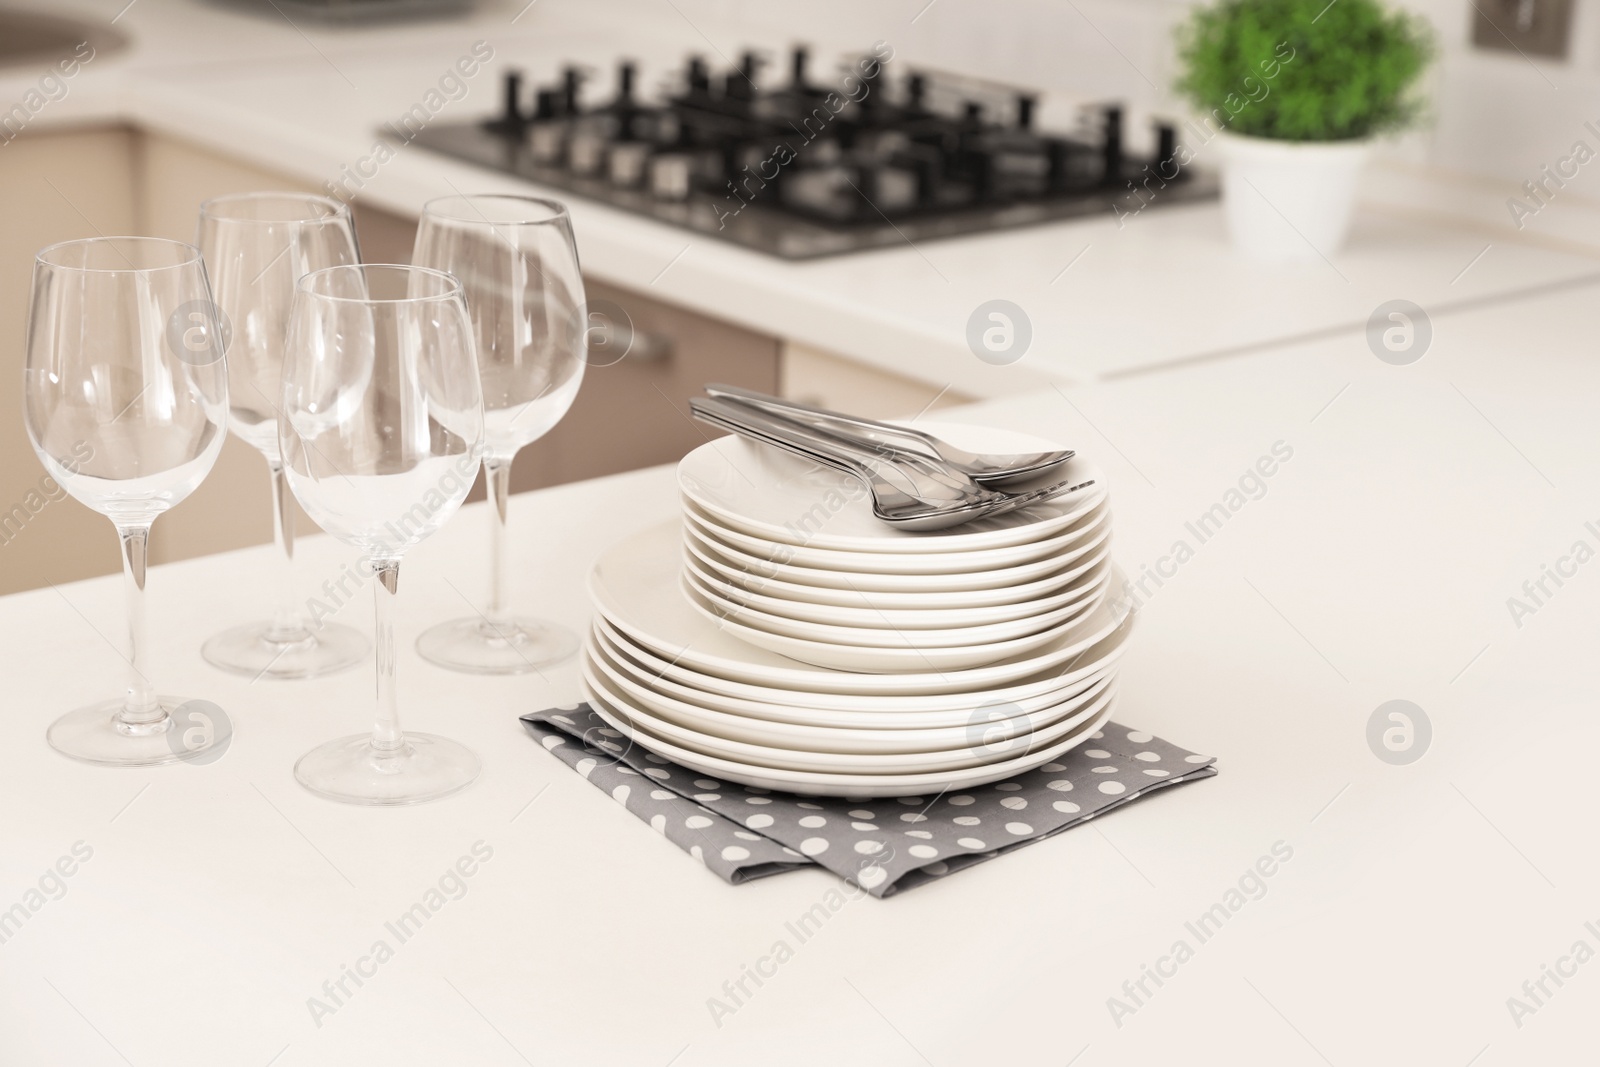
(782, 637)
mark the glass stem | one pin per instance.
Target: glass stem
(141, 711)
(386, 736)
(497, 480)
(287, 625)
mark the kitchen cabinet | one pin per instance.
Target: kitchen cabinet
(631, 413)
(232, 508)
(818, 377)
(54, 186)
(635, 412)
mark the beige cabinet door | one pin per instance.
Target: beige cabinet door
(54, 186)
(233, 507)
(634, 412)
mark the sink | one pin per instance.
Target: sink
(28, 38)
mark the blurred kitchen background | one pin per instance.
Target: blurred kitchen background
(175, 101)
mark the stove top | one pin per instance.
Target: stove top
(810, 169)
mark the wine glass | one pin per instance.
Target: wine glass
(518, 265)
(125, 396)
(381, 435)
(256, 247)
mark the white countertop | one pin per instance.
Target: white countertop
(1163, 288)
(1377, 566)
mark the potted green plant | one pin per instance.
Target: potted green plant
(1293, 92)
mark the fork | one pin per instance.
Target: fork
(909, 491)
(984, 468)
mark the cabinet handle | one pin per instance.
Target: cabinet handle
(650, 347)
(613, 337)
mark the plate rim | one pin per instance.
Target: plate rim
(954, 582)
(802, 675)
(1104, 693)
(850, 785)
(957, 561)
(607, 660)
(1071, 609)
(865, 653)
(698, 550)
(841, 705)
(846, 543)
(893, 618)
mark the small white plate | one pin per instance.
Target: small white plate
(980, 749)
(900, 625)
(936, 711)
(811, 783)
(1012, 597)
(774, 495)
(995, 578)
(987, 724)
(635, 585)
(830, 559)
(895, 619)
(873, 659)
(727, 607)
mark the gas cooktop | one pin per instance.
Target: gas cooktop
(808, 169)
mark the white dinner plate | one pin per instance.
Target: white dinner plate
(772, 494)
(978, 750)
(635, 585)
(832, 559)
(918, 600)
(888, 712)
(727, 607)
(812, 783)
(994, 578)
(987, 723)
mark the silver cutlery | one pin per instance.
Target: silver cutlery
(983, 468)
(909, 490)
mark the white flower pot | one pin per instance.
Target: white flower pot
(1288, 200)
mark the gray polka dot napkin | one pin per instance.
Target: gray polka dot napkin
(882, 845)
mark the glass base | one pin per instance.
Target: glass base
(515, 646)
(250, 650)
(95, 734)
(349, 769)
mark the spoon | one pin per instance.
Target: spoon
(908, 490)
(981, 467)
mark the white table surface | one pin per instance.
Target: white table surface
(1377, 566)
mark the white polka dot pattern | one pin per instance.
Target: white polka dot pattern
(741, 833)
